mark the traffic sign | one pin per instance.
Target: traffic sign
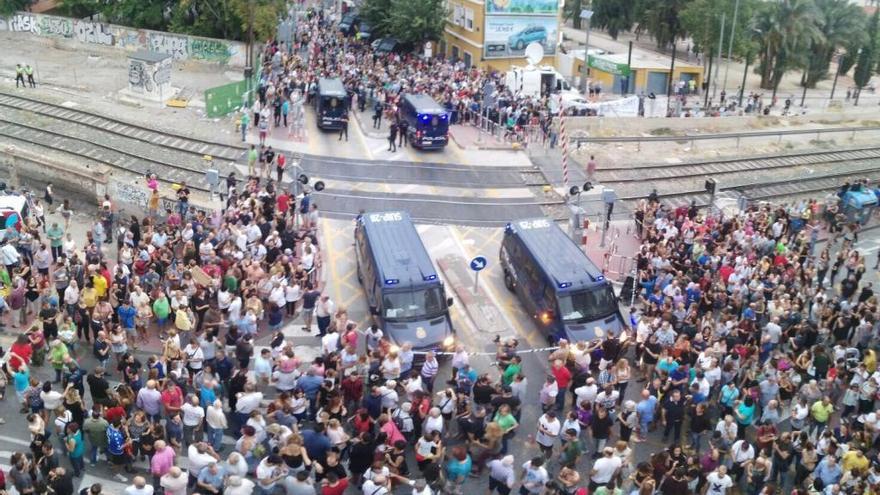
(478, 263)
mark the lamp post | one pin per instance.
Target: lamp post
(586, 15)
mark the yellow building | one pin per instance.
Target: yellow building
(465, 36)
(647, 71)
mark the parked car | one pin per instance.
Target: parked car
(388, 45)
(528, 35)
(365, 31)
(348, 24)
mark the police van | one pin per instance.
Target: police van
(404, 292)
(566, 294)
(428, 122)
(331, 104)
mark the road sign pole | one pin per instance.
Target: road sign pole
(476, 282)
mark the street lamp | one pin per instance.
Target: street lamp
(586, 15)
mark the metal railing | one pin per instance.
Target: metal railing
(579, 141)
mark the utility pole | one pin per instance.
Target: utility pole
(730, 44)
(720, 47)
(742, 87)
(629, 57)
(586, 15)
(836, 75)
(709, 78)
(671, 73)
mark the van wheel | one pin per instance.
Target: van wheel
(508, 282)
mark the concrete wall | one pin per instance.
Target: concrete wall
(85, 185)
(73, 33)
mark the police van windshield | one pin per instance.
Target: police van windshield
(585, 306)
(332, 105)
(423, 303)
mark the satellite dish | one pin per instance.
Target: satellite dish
(534, 53)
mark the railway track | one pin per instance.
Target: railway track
(133, 148)
(641, 173)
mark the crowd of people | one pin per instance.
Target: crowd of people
(752, 349)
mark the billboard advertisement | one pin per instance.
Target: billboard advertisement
(507, 36)
(522, 6)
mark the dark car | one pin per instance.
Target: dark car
(365, 31)
(388, 45)
(348, 24)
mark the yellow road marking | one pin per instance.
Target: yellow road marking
(493, 296)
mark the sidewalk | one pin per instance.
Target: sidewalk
(468, 137)
(365, 121)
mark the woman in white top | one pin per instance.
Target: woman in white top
(336, 433)
(292, 295)
(194, 356)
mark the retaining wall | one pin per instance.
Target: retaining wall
(73, 33)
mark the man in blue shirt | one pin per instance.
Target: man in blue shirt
(316, 443)
(829, 471)
(646, 409)
(211, 478)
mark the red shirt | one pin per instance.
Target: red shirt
(24, 351)
(563, 377)
(173, 398)
(339, 489)
(283, 201)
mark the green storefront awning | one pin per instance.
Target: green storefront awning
(609, 66)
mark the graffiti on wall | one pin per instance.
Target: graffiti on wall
(93, 32)
(210, 50)
(162, 73)
(139, 78)
(178, 46)
(132, 194)
(23, 23)
(60, 27)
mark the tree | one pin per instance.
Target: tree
(10, 6)
(785, 30)
(376, 13)
(613, 16)
(79, 8)
(702, 21)
(572, 12)
(868, 56)
(661, 19)
(417, 22)
(146, 14)
(841, 23)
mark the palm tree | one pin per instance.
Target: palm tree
(841, 24)
(788, 28)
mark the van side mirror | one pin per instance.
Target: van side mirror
(449, 301)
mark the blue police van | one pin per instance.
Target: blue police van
(427, 121)
(404, 292)
(565, 292)
(331, 104)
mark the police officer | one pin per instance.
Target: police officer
(19, 75)
(30, 75)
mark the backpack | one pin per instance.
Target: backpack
(398, 419)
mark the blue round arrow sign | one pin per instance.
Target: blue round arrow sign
(478, 263)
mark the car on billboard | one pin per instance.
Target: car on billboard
(529, 34)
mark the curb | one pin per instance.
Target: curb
(370, 133)
(480, 319)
